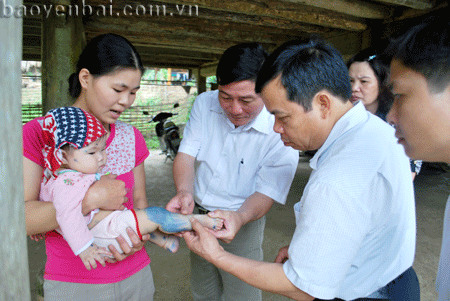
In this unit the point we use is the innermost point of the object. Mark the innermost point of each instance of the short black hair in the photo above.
(307, 66)
(372, 56)
(425, 48)
(240, 62)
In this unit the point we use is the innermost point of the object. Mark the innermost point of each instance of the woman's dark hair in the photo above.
(385, 97)
(307, 67)
(240, 62)
(105, 54)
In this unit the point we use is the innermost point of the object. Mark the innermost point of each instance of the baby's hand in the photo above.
(37, 237)
(92, 254)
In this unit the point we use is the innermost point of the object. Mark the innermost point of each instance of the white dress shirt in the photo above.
(443, 276)
(356, 227)
(233, 163)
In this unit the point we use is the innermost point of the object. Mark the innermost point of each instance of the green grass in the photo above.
(152, 142)
(140, 101)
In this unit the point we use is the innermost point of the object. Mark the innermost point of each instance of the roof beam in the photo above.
(220, 19)
(416, 4)
(209, 69)
(174, 41)
(269, 9)
(413, 13)
(353, 8)
(204, 35)
(202, 28)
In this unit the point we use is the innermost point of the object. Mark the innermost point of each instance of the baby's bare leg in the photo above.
(99, 216)
(152, 218)
(168, 242)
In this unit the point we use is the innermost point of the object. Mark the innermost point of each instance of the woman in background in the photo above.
(369, 79)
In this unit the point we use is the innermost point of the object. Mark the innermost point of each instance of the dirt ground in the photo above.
(171, 271)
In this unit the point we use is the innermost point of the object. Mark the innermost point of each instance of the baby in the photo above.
(75, 154)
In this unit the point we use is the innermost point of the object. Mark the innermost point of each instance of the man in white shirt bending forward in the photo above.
(231, 164)
(355, 233)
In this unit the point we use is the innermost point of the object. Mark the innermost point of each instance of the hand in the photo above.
(232, 222)
(282, 255)
(182, 203)
(127, 250)
(92, 254)
(106, 193)
(38, 237)
(202, 242)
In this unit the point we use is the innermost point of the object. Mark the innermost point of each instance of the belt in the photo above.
(201, 210)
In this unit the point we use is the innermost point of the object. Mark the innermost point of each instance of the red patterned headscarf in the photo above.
(67, 125)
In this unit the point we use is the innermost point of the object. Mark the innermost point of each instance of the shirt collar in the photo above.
(261, 123)
(352, 118)
(59, 172)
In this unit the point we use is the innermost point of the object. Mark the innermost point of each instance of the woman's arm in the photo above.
(40, 217)
(139, 195)
(139, 202)
(106, 193)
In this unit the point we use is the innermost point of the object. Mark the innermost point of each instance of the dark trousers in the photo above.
(403, 288)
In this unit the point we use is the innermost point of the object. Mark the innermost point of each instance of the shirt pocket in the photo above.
(242, 181)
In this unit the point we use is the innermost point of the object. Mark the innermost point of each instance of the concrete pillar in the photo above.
(201, 82)
(14, 275)
(169, 76)
(63, 40)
